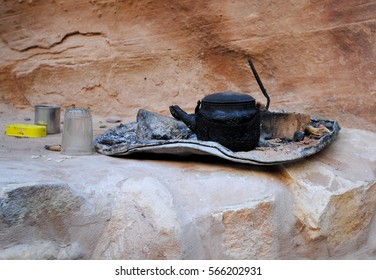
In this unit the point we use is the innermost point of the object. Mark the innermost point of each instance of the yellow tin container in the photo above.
(26, 130)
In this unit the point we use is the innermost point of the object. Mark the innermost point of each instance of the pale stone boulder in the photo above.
(46, 220)
(157, 207)
(144, 223)
(335, 194)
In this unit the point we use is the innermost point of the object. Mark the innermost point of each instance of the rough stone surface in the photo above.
(42, 220)
(335, 195)
(314, 57)
(150, 219)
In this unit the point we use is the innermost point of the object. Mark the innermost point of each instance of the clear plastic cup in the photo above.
(77, 132)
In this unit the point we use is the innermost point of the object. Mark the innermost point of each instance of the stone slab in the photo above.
(101, 207)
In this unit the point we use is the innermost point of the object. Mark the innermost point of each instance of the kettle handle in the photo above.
(259, 83)
(198, 106)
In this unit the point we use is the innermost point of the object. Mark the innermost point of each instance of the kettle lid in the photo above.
(228, 97)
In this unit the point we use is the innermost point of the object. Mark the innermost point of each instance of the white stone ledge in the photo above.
(99, 207)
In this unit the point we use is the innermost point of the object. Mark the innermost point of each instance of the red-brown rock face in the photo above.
(316, 57)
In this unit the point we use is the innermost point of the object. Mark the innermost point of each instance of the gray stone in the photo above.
(37, 203)
(45, 220)
(152, 126)
(113, 119)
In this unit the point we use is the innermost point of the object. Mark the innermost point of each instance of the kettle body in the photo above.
(228, 118)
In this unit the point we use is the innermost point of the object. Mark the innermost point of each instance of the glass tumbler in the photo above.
(77, 132)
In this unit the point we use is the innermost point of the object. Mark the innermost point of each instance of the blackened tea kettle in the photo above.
(229, 118)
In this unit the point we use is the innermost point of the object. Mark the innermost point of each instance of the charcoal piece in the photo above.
(152, 126)
(298, 136)
(121, 134)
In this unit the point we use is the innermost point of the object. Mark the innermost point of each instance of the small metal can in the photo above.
(49, 116)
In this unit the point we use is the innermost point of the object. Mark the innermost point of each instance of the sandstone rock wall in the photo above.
(315, 57)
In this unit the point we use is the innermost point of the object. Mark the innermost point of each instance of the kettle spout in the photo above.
(179, 114)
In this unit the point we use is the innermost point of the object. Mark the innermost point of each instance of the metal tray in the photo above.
(157, 134)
